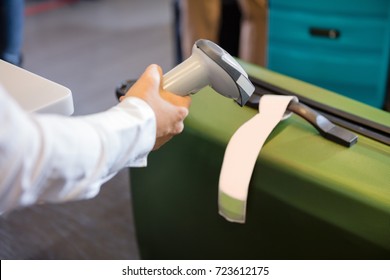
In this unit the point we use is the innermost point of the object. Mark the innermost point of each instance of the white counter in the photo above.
(35, 93)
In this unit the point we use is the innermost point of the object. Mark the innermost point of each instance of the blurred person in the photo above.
(202, 19)
(11, 30)
(52, 158)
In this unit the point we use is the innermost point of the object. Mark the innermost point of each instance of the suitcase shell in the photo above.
(309, 198)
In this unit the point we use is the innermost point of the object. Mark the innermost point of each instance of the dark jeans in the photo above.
(11, 30)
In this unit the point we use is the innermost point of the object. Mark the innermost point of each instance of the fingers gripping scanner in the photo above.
(208, 65)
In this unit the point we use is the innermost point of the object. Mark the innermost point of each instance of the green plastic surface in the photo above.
(308, 197)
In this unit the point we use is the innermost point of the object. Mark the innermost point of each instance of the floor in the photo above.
(89, 46)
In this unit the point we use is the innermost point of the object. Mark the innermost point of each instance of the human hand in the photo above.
(170, 109)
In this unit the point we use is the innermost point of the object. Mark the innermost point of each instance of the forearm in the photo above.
(54, 158)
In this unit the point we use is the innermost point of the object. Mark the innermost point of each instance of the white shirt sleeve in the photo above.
(52, 158)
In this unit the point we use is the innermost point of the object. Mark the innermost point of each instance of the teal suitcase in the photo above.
(309, 198)
(340, 45)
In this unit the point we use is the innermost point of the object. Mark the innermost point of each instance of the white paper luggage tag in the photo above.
(241, 154)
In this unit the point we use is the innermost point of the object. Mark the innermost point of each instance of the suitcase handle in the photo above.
(329, 33)
(325, 127)
(377, 131)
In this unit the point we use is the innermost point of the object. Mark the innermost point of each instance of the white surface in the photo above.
(35, 93)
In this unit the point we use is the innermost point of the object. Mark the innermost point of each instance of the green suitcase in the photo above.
(309, 198)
